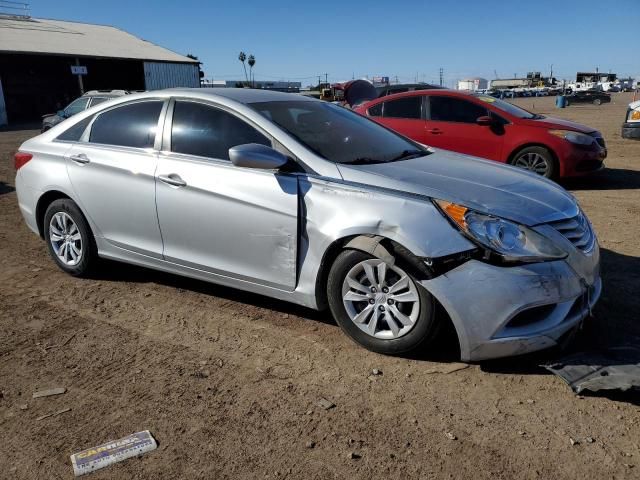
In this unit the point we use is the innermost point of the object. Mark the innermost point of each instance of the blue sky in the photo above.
(300, 40)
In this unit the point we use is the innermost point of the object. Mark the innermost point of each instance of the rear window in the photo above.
(97, 100)
(132, 125)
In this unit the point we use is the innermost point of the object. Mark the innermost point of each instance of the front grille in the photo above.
(578, 231)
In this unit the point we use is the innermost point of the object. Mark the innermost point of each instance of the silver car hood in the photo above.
(482, 185)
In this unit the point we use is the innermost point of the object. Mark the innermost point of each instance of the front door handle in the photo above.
(172, 179)
(435, 131)
(80, 158)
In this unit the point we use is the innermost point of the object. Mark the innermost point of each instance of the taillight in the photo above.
(21, 158)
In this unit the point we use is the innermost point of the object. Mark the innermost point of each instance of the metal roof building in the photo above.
(39, 60)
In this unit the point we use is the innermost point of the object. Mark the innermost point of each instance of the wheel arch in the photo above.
(386, 249)
(47, 199)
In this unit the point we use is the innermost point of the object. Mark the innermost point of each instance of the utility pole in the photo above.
(441, 76)
(80, 83)
(326, 79)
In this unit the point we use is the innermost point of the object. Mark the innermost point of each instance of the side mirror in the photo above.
(61, 114)
(485, 121)
(254, 155)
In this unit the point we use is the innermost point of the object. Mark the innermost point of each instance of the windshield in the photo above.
(78, 105)
(337, 134)
(510, 108)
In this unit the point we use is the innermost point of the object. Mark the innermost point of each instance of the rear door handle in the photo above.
(80, 158)
(172, 179)
(435, 131)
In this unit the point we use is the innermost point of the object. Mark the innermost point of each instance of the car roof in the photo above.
(240, 95)
(413, 93)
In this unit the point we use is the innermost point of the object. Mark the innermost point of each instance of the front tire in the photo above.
(597, 101)
(69, 238)
(537, 160)
(381, 307)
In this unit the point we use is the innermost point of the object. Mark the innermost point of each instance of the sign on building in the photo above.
(78, 69)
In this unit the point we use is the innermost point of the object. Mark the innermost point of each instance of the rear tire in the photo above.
(536, 160)
(69, 238)
(597, 101)
(381, 307)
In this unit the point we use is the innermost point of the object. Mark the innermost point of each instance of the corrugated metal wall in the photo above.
(159, 75)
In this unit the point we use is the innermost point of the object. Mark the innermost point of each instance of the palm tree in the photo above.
(252, 62)
(242, 57)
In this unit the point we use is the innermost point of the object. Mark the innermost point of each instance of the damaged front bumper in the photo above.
(502, 311)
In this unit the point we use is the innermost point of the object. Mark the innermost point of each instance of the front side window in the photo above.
(132, 125)
(338, 134)
(76, 106)
(408, 107)
(206, 131)
(449, 109)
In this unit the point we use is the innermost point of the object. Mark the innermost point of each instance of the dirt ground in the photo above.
(229, 382)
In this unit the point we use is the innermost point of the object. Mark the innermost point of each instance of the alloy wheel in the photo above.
(65, 239)
(533, 162)
(380, 299)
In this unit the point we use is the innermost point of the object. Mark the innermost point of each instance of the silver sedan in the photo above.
(308, 202)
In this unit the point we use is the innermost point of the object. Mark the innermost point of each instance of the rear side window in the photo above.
(207, 131)
(449, 109)
(74, 133)
(375, 111)
(132, 125)
(408, 107)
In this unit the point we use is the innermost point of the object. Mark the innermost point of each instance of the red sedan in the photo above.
(487, 127)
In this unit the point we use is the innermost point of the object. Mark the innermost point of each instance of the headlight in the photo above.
(573, 137)
(511, 241)
(634, 116)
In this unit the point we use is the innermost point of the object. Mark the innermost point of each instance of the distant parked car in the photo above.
(631, 126)
(488, 127)
(88, 100)
(595, 97)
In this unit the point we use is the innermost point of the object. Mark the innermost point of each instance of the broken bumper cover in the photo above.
(504, 311)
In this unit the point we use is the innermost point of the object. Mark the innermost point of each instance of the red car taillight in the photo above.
(21, 158)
